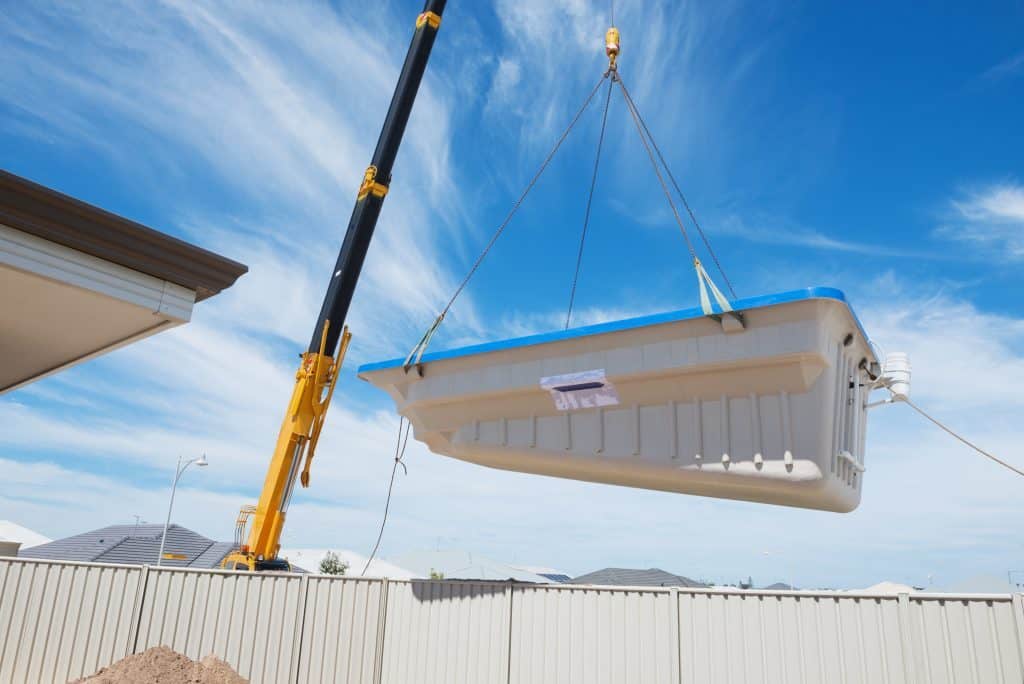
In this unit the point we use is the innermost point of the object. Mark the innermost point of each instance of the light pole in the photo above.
(201, 462)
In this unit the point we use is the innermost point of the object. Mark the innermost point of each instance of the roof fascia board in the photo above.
(53, 216)
(41, 257)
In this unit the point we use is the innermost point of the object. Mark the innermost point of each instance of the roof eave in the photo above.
(62, 219)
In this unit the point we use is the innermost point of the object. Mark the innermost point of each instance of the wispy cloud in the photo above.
(775, 231)
(1009, 67)
(990, 218)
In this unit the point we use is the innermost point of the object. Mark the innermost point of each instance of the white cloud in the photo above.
(991, 218)
(503, 94)
(774, 231)
(1002, 203)
(1011, 66)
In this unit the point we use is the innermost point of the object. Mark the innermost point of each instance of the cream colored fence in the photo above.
(59, 621)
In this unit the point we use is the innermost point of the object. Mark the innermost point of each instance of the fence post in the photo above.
(906, 636)
(300, 627)
(674, 632)
(1017, 601)
(136, 624)
(382, 613)
(508, 648)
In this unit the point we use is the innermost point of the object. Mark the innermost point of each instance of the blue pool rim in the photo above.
(739, 305)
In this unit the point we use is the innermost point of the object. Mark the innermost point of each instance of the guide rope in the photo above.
(399, 455)
(950, 431)
(590, 200)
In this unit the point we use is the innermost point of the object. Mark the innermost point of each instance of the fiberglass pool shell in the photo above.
(773, 412)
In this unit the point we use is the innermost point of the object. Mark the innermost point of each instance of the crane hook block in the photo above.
(611, 45)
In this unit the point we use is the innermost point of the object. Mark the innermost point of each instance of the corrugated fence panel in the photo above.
(61, 621)
(967, 640)
(249, 620)
(445, 631)
(584, 634)
(741, 637)
(340, 629)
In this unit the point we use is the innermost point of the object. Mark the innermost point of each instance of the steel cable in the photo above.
(693, 217)
(518, 202)
(590, 200)
(668, 195)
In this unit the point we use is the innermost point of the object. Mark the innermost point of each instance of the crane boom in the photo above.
(321, 363)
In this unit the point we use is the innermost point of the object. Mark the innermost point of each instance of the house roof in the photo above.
(311, 557)
(465, 565)
(135, 545)
(13, 532)
(629, 577)
(54, 216)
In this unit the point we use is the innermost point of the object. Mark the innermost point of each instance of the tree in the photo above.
(332, 565)
(436, 575)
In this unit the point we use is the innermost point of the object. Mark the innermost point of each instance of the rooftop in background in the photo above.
(134, 545)
(628, 577)
(1012, 582)
(889, 588)
(12, 532)
(379, 568)
(550, 574)
(464, 565)
(77, 281)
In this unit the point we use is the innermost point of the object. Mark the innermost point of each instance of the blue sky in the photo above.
(868, 147)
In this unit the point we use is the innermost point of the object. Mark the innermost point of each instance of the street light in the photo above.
(201, 462)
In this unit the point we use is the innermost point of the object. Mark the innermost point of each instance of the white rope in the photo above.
(962, 439)
(399, 454)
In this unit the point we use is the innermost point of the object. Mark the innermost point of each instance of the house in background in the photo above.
(378, 568)
(135, 545)
(550, 574)
(628, 577)
(14, 537)
(464, 565)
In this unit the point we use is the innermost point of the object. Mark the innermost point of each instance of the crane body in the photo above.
(257, 546)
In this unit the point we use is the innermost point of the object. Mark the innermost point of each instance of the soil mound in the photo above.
(161, 665)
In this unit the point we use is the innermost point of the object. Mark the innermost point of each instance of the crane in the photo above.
(321, 363)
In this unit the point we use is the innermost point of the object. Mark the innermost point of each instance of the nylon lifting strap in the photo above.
(706, 283)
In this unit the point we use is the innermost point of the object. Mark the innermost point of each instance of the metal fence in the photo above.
(60, 621)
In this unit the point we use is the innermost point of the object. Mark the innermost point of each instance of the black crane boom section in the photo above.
(371, 195)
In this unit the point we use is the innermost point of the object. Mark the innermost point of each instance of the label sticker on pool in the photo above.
(587, 389)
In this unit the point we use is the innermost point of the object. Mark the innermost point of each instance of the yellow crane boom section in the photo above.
(300, 432)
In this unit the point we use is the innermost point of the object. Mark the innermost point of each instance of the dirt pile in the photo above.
(164, 666)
